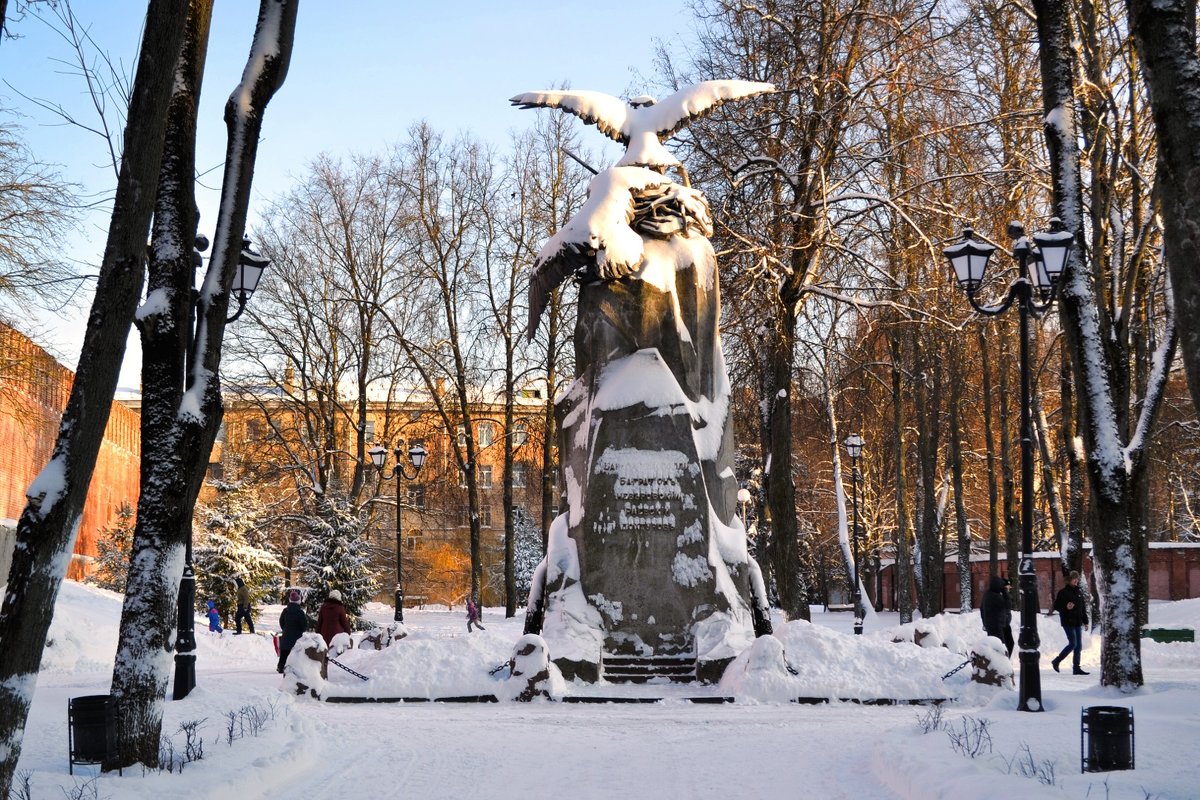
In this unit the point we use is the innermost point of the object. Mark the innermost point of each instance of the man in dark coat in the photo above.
(996, 613)
(292, 625)
(332, 619)
(1072, 613)
(243, 607)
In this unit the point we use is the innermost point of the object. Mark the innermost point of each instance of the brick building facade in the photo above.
(261, 439)
(33, 393)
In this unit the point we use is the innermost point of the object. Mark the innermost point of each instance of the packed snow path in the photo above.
(668, 750)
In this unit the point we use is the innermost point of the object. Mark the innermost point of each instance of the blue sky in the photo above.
(362, 72)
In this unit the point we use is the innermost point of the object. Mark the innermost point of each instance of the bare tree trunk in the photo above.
(163, 528)
(960, 506)
(1012, 523)
(781, 491)
(1113, 459)
(1165, 33)
(931, 575)
(903, 572)
(48, 526)
(1072, 553)
(990, 444)
(182, 412)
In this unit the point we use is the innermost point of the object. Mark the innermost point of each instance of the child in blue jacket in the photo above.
(214, 617)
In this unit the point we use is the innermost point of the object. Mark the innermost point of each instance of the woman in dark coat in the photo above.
(332, 619)
(996, 613)
(293, 624)
(1072, 613)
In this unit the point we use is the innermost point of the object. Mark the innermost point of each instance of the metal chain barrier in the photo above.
(352, 672)
(956, 669)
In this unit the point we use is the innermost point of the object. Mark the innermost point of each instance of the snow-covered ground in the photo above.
(755, 748)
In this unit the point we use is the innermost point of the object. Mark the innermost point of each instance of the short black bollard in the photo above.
(1106, 739)
(92, 730)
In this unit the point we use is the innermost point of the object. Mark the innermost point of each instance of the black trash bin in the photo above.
(92, 734)
(1106, 739)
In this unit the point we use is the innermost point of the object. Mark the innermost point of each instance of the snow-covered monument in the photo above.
(647, 570)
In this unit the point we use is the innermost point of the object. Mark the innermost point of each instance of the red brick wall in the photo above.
(34, 393)
(1174, 575)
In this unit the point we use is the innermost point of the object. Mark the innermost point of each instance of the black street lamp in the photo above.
(416, 454)
(854, 445)
(250, 268)
(1041, 265)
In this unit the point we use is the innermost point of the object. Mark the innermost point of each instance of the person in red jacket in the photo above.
(332, 619)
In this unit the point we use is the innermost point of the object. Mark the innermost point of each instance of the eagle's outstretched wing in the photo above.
(606, 112)
(691, 102)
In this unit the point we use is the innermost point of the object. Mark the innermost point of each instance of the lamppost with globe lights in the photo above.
(250, 267)
(416, 454)
(1041, 264)
(854, 445)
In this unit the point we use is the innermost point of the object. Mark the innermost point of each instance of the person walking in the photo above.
(996, 613)
(243, 607)
(473, 615)
(293, 623)
(214, 617)
(1072, 613)
(332, 618)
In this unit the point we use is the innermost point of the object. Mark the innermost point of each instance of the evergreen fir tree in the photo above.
(222, 552)
(527, 549)
(333, 553)
(112, 552)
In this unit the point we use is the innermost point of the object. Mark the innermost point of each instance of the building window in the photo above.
(416, 496)
(520, 434)
(487, 434)
(520, 476)
(369, 429)
(216, 471)
(221, 433)
(254, 430)
(464, 515)
(485, 516)
(485, 476)
(462, 435)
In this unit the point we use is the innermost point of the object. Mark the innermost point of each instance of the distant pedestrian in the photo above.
(1072, 613)
(1006, 628)
(332, 618)
(293, 624)
(243, 607)
(473, 615)
(996, 613)
(214, 617)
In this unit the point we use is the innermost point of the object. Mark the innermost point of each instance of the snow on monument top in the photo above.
(642, 123)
